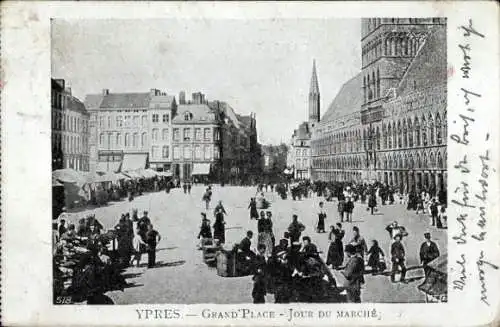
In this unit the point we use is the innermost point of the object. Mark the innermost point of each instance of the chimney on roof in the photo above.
(198, 98)
(105, 91)
(153, 92)
(182, 97)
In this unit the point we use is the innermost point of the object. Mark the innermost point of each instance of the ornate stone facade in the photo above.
(389, 122)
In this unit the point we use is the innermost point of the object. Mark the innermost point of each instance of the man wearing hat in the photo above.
(353, 272)
(428, 252)
(143, 224)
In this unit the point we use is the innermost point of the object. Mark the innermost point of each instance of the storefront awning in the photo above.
(201, 169)
(104, 167)
(134, 161)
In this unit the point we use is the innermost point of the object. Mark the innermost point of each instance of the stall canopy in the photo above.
(147, 173)
(112, 166)
(132, 174)
(165, 173)
(69, 175)
(201, 169)
(134, 161)
(435, 283)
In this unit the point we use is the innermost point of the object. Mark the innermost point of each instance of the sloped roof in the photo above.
(348, 100)
(163, 100)
(429, 65)
(93, 101)
(75, 104)
(125, 100)
(200, 112)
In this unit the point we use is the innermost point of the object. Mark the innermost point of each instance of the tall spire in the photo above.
(314, 98)
(314, 88)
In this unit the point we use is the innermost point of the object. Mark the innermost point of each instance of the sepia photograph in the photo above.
(249, 161)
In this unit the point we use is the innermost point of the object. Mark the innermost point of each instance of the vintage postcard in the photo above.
(247, 164)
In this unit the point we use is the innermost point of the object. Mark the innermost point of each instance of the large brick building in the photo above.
(70, 129)
(388, 123)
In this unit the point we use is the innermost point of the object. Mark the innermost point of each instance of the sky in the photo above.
(261, 66)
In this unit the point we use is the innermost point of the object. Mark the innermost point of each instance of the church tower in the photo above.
(314, 98)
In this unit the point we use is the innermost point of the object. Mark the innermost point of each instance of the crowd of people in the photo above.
(276, 268)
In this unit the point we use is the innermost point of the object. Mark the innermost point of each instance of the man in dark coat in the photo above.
(353, 272)
(143, 224)
(152, 239)
(428, 252)
(245, 255)
(295, 229)
(398, 258)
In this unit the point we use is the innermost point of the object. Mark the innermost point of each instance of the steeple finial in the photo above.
(314, 88)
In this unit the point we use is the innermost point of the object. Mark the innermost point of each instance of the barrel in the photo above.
(226, 263)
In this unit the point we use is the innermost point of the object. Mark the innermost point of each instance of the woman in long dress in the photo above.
(321, 219)
(219, 228)
(336, 249)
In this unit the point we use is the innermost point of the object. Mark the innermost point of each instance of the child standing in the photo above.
(375, 256)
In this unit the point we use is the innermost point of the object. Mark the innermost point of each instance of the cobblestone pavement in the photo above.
(182, 277)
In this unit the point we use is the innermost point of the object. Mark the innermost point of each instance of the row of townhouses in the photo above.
(111, 132)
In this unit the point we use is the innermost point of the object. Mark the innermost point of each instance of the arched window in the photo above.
(400, 161)
(188, 116)
(405, 134)
(417, 132)
(439, 136)
(378, 138)
(432, 163)
(411, 163)
(389, 136)
(364, 88)
(431, 130)
(425, 163)
(424, 132)
(378, 83)
(399, 134)
(369, 84)
(144, 139)
(440, 162)
(374, 82)
(419, 163)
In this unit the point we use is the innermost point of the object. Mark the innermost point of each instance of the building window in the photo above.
(206, 134)
(127, 121)
(187, 134)
(127, 140)
(188, 116)
(297, 164)
(164, 134)
(155, 134)
(136, 121)
(154, 152)
(207, 152)
(118, 139)
(144, 138)
(177, 152)
(187, 152)
(216, 153)
(135, 140)
(197, 134)
(165, 118)
(155, 118)
(144, 121)
(216, 134)
(101, 122)
(165, 151)
(304, 152)
(109, 121)
(197, 152)
(101, 139)
(176, 134)
(297, 152)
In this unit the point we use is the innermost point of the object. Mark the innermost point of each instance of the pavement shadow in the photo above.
(162, 264)
(131, 285)
(131, 275)
(168, 248)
